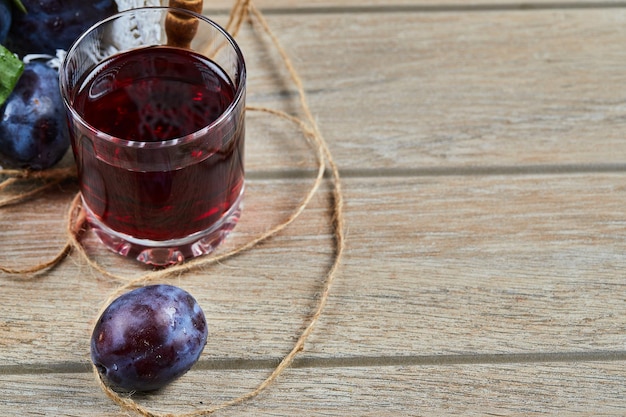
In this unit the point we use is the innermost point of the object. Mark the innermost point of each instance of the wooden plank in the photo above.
(433, 91)
(461, 96)
(592, 388)
(434, 265)
(480, 264)
(296, 6)
(54, 325)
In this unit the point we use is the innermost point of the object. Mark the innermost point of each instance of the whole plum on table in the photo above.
(33, 128)
(148, 337)
(54, 24)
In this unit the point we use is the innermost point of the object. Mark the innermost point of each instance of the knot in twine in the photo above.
(242, 10)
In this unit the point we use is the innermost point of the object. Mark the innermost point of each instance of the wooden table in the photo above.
(482, 153)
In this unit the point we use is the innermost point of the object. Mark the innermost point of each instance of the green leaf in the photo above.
(10, 70)
(20, 5)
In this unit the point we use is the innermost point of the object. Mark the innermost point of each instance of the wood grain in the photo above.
(508, 389)
(433, 91)
(442, 265)
(481, 152)
(297, 6)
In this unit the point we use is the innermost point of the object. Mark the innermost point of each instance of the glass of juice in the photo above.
(155, 99)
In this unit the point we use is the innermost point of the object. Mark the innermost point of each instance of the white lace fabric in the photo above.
(133, 4)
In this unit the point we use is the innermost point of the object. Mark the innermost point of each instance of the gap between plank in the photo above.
(350, 362)
(495, 170)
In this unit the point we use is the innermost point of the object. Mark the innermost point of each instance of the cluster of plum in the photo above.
(33, 131)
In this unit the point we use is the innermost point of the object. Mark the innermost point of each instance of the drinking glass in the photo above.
(155, 99)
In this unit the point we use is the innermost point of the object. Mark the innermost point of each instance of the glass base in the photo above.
(168, 252)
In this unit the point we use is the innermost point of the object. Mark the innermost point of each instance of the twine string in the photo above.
(201, 262)
(76, 223)
(49, 179)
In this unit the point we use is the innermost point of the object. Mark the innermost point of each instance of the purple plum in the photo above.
(148, 337)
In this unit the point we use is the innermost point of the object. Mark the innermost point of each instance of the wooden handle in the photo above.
(180, 28)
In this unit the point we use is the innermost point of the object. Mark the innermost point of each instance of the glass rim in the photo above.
(180, 140)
